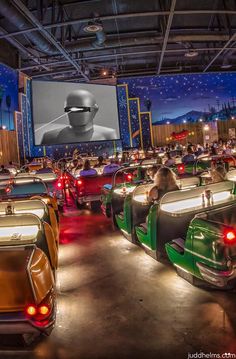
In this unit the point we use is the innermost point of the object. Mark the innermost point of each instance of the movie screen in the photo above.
(72, 113)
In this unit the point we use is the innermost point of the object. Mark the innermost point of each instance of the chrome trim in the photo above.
(203, 257)
(29, 274)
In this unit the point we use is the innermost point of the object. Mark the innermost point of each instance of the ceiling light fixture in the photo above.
(191, 53)
(93, 27)
(226, 65)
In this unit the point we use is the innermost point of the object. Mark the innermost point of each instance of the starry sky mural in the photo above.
(8, 96)
(188, 97)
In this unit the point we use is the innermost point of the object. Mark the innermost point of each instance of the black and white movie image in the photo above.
(70, 112)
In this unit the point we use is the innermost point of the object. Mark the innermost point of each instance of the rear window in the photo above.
(28, 188)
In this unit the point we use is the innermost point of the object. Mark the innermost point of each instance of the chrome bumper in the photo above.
(17, 323)
(216, 277)
(89, 198)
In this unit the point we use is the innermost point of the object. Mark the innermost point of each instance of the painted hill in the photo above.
(191, 116)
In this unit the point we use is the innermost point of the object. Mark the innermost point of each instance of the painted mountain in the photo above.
(227, 111)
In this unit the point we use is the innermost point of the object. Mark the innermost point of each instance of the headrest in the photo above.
(142, 189)
(19, 229)
(180, 195)
(231, 175)
(36, 207)
(46, 177)
(188, 182)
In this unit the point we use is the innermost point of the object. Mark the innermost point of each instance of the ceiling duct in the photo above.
(19, 21)
(95, 27)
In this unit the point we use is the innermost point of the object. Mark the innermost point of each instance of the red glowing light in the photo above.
(31, 310)
(230, 237)
(43, 310)
(181, 168)
(8, 189)
(59, 185)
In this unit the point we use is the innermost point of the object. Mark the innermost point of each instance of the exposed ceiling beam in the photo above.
(225, 47)
(165, 41)
(121, 16)
(49, 37)
(123, 54)
(23, 50)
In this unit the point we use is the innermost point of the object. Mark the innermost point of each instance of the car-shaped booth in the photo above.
(170, 217)
(136, 207)
(123, 183)
(208, 252)
(192, 168)
(87, 190)
(56, 184)
(20, 228)
(28, 187)
(33, 206)
(27, 301)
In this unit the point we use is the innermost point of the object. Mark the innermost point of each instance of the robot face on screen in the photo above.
(81, 107)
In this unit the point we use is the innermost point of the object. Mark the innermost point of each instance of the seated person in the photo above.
(110, 168)
(73, 165)
(218, 174)
(170, 161)
(76, 171)
(11, 168)
(4, 171)
(189, 157)
(164, 181)
(45, 169)
(100, 162)
(151, 172)
(88, 170)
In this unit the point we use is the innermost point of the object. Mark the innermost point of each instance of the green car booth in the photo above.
(169, 218)
(136, 209)
(124, 181)
(209, 251)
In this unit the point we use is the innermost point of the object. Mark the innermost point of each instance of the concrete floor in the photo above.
(114, 301)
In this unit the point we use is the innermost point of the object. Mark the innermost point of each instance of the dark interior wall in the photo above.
(8, 54)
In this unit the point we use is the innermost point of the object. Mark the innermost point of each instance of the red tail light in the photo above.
(43, 310)
(38, 313)
(129, 177)
(181, 169)
(79, 182)
(31, 310)
(230, 237)
(59, 185)
(8, 189)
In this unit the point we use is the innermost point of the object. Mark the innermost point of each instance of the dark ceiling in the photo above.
(130, 37)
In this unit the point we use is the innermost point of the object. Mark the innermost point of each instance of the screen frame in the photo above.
(72, 143)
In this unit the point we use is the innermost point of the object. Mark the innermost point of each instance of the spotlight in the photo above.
(191, 53)
(168, 122)
(200, 119)
(104, 72)
(4, 127)
(184, 121)
(206, 128)
(226, 64)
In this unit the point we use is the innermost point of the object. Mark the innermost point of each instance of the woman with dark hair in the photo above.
(87, 169)
(100, 162)
(170, 161)
(218, 174)
(164, 181)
